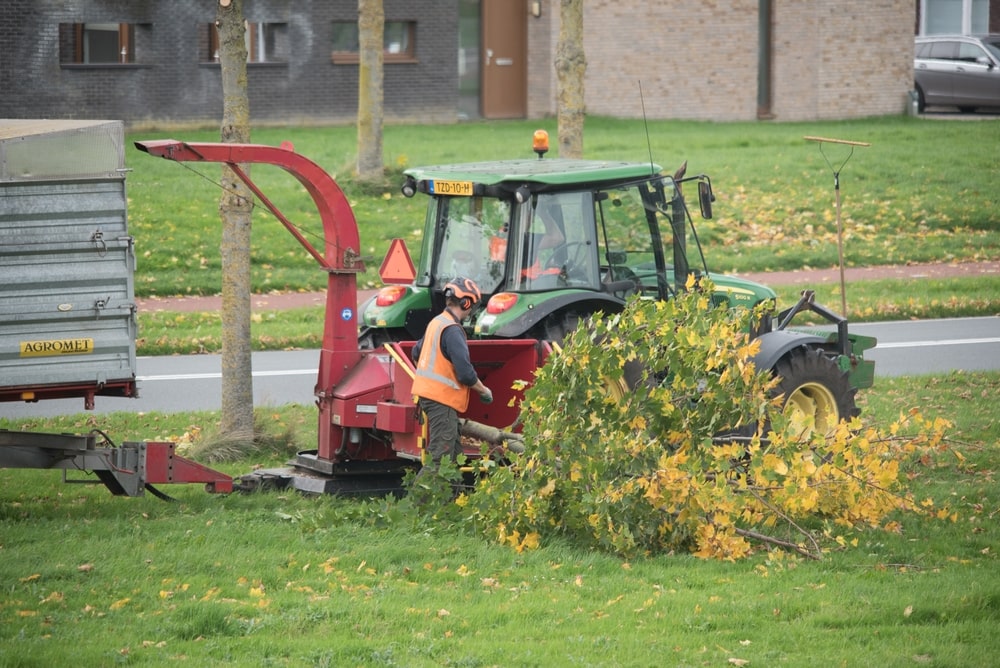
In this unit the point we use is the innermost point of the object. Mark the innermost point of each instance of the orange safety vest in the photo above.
(435, 377)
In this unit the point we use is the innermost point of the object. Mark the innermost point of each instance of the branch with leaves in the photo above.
(645, 472)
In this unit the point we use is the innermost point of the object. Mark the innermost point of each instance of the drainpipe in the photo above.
(764, 59)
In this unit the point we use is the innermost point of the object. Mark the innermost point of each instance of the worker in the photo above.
(445, 375)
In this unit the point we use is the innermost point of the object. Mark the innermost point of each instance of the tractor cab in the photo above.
(549, 242)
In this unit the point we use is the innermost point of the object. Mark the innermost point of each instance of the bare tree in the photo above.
(235, 209)
(571, 66)
(371, 26)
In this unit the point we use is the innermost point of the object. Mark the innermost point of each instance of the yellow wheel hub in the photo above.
(811, 408)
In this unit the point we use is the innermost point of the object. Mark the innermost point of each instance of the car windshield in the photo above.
(993, 45)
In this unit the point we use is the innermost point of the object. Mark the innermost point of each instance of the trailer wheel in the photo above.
(817, 392)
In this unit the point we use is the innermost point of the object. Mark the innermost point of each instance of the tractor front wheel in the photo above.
(817, 392)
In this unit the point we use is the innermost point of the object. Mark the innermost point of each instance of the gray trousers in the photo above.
(442, 423)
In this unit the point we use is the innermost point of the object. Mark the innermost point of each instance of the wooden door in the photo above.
(505, 59)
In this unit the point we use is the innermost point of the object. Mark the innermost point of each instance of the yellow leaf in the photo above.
(120, 603)
(531, 541)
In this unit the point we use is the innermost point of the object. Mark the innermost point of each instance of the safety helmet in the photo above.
(464, 290)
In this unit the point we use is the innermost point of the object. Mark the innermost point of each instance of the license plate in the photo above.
(461, 188)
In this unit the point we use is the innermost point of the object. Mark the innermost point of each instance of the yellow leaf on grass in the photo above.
(531, 541)
(120, 603)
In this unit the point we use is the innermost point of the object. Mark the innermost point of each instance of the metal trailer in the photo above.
(67, 307)
(67, 310)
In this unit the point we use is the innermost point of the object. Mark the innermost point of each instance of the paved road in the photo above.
(193, 382)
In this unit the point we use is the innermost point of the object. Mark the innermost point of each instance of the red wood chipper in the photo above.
(369, 430)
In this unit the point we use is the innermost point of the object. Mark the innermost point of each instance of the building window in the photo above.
(398, 38)
(965, 17)
(96, 43)
(265, 42)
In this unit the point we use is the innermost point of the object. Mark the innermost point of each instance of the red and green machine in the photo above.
(551, 243)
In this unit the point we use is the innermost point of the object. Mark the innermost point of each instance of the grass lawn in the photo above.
(281, 579)
(924, 191)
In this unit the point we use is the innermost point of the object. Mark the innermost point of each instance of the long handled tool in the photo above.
(836, 189)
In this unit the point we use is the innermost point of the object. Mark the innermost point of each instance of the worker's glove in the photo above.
(486, 397)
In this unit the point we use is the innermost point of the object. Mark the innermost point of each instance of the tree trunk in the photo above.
(571, 66)
(371, 26)
(235, 209)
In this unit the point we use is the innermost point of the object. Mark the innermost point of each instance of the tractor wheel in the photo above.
(817, 392)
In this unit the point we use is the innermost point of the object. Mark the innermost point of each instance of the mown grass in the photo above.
(281, 579)
(923, 192)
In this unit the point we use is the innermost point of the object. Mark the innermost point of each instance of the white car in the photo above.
(958, 71)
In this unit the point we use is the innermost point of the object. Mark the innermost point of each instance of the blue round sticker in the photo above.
(347, 314)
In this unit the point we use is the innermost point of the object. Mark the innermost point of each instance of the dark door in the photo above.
(504, 58)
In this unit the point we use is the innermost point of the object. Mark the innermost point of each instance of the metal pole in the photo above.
(836, 190)
(840, 245)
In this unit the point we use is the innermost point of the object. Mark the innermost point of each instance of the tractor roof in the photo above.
(555, 171)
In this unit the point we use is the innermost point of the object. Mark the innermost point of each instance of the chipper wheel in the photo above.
(817, 392)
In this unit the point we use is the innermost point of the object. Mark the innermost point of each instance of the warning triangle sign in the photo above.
(397, 267)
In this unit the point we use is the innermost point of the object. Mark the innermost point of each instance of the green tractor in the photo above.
(551, 242)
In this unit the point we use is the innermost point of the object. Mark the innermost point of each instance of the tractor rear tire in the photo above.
(817, 392)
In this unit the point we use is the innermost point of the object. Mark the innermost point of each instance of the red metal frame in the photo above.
(340, 256)
(163, 466)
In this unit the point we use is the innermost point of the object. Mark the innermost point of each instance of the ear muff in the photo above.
(464, 290)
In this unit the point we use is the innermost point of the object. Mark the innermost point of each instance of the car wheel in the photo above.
(921, 102)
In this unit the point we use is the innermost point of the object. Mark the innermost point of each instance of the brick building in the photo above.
(151, 62)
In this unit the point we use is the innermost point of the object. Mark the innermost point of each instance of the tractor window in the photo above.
(629, 252)
(468, 229)
(555, 243)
